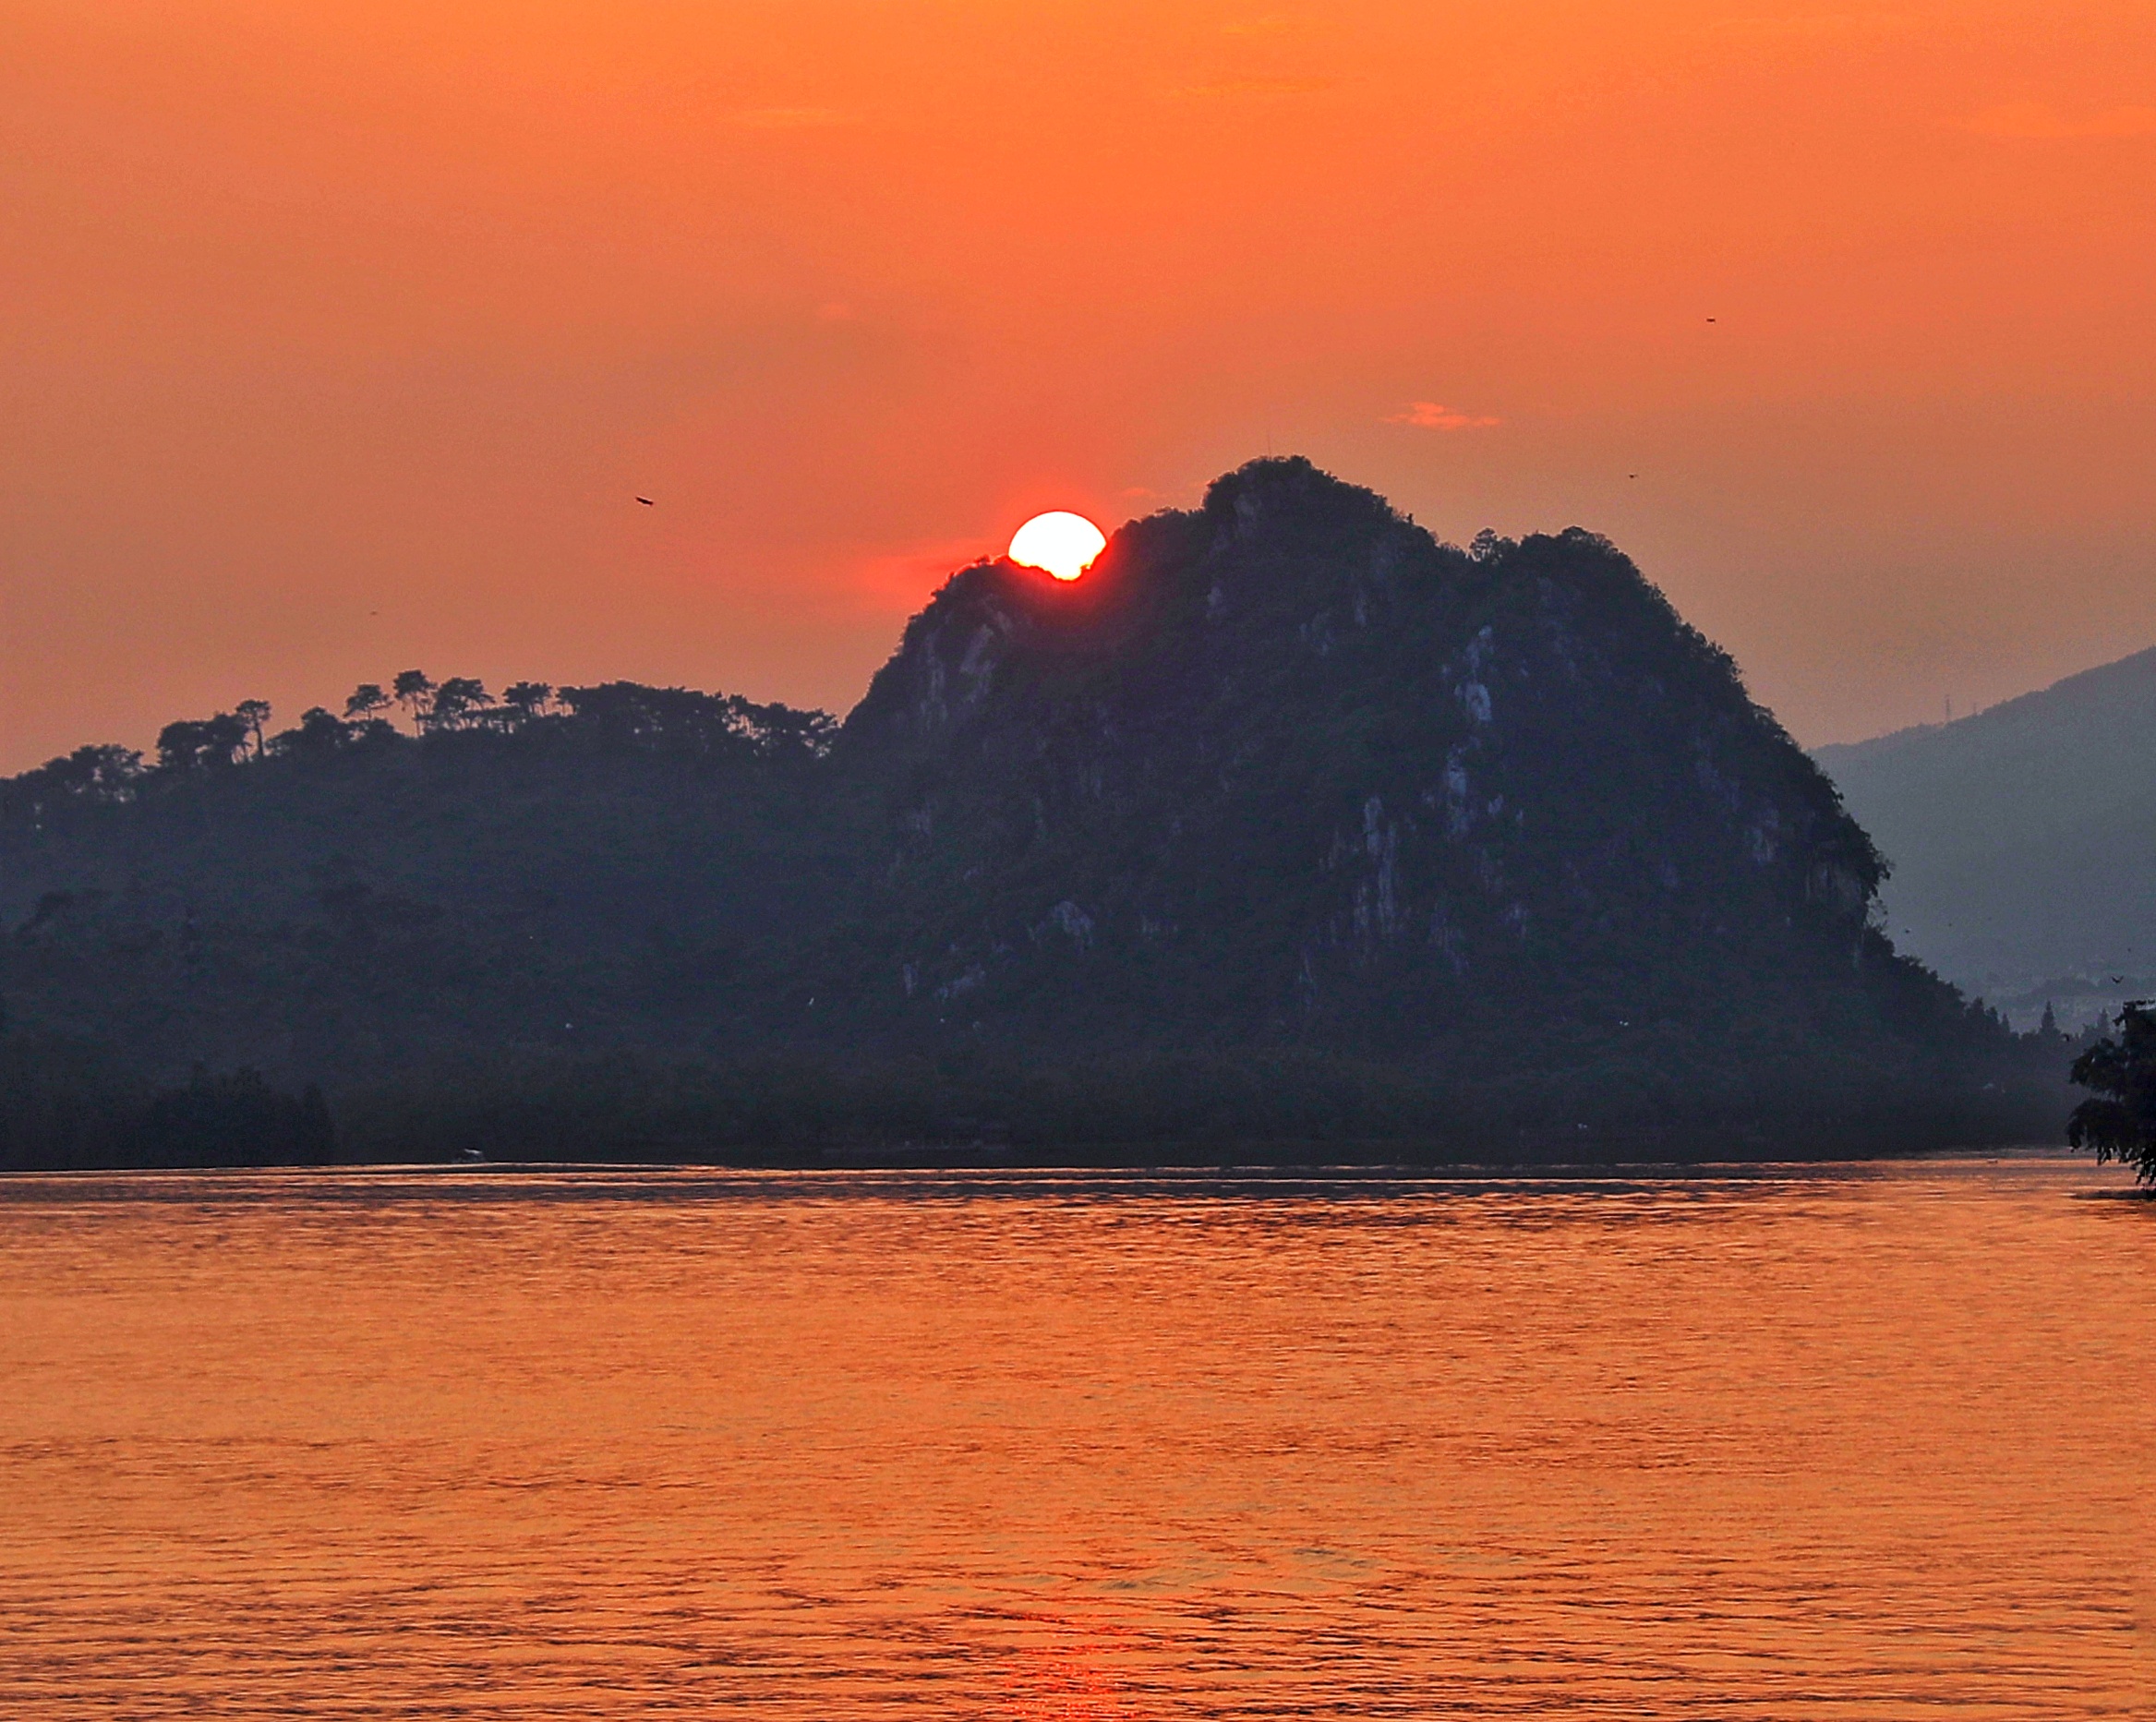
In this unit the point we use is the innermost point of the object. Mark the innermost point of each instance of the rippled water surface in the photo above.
(1866, 1442)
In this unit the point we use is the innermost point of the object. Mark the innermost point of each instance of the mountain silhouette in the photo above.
(2021, 839)
(1287, 823)
(1286, 766)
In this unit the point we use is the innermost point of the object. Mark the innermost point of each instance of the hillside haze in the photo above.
(2021, 841)
(1286, 821)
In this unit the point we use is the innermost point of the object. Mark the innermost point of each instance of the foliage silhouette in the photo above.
(2119, 1120)
(414, 691)
(71, 1104)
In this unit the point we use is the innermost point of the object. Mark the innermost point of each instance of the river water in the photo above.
(1857, 1442)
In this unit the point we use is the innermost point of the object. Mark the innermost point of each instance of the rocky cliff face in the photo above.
(1286, 766)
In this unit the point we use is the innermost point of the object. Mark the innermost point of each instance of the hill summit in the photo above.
(1286, 823)
(1287, 767)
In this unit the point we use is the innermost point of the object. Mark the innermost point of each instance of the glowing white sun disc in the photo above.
(1061, 543)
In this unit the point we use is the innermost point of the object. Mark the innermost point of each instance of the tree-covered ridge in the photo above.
(601, 867)
(1286, 821)
(614, 714)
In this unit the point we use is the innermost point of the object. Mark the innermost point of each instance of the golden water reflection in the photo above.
(1869, 1442)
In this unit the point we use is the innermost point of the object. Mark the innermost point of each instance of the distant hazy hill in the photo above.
(2023, 840)
(1286, 821)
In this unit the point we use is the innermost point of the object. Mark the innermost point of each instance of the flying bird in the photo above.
(646, 501)
(2117, 980)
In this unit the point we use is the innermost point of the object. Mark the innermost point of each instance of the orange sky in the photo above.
(337, 339)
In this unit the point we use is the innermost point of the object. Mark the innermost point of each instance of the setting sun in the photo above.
(1061, 543)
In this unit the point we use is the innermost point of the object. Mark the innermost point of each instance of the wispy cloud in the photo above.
(793, 119)
(2040, 119)
(1431, 416)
